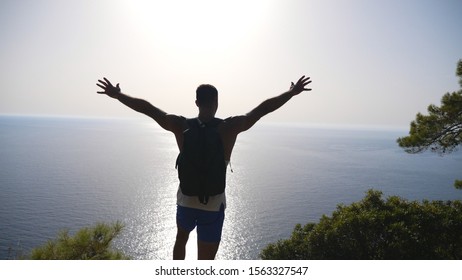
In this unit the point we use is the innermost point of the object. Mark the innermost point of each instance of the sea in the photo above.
(68, 173)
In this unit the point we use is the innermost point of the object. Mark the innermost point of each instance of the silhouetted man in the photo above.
(204, 211)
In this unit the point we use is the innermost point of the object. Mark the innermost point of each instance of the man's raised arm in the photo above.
(169, 122)
(245, 122)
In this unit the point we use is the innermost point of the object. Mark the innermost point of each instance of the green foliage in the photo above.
(374, 228)
(458, 184)
(441, 129)
(459, 71)
(87, 244)
(294, 248)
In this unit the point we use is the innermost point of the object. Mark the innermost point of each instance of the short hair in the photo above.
(205, 94)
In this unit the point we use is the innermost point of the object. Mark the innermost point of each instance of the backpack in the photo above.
(201, 164)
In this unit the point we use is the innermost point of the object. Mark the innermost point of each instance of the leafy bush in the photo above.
(87, 244)
(374, 228)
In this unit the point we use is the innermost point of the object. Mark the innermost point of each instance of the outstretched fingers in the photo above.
(305, 82)
(108, 88)
(108, 83)
(102, 85)
(302, 83)
(105, 85)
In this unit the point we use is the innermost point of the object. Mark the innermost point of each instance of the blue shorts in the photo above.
(209, 223)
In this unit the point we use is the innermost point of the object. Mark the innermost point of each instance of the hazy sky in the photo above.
(371, 62)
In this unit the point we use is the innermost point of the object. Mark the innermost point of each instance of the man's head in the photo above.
(207, 98)
(206, 94)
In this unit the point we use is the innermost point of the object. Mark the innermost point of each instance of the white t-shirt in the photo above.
(214, 203)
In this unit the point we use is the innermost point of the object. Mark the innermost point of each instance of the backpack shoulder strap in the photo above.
(193, 122)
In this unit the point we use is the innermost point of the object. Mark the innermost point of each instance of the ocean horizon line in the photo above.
(294, 124)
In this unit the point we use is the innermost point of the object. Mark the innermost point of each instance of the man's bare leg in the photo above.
(179, 250)
(207, 250)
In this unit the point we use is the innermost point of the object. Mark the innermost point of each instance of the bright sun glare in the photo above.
(198, 25)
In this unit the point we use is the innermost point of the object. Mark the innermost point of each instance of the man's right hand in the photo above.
(109, 89)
